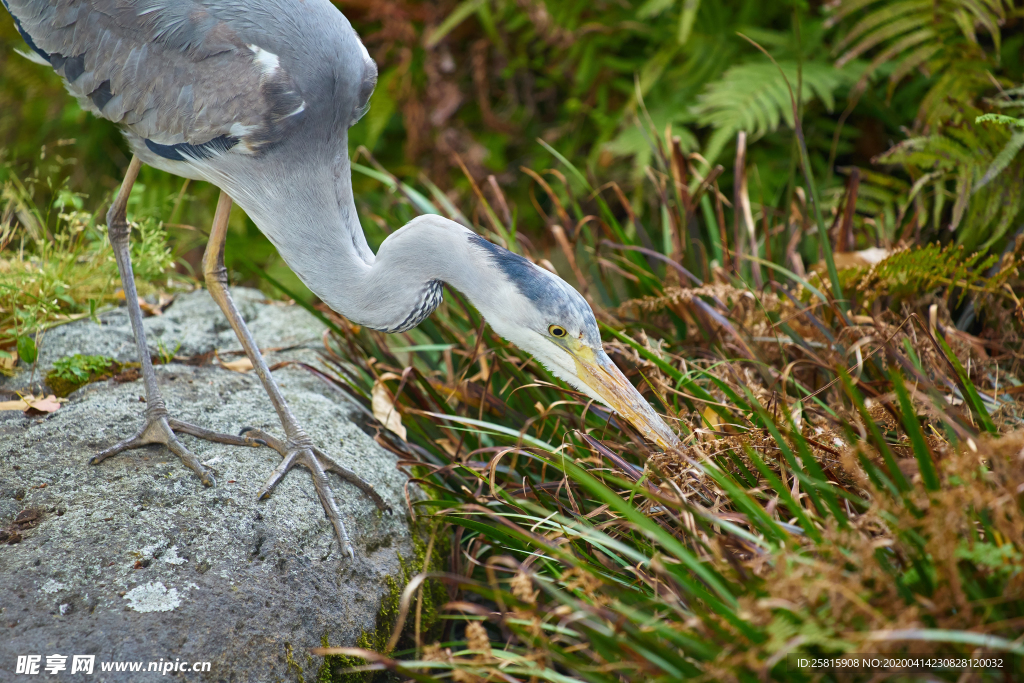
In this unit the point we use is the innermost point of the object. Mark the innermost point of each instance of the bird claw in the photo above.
(267, 440)
(158, 428)
(318, 463)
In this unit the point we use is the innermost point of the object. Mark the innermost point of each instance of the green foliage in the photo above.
(72, 372)
(756, 98)
(908, 274)
(56, 263)
(622, 563)
(151, 254)
(165, 354)
(705, 562)
(79, 368)
(941, 37)
(1001, 119)
(969, 179)
(27, 350)
(479, 82)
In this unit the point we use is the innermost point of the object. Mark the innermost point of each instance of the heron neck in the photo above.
(394, 289)
(402, 285)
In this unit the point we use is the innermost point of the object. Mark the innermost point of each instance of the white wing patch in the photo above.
(33, 57)
(267, 61)
(240, 130)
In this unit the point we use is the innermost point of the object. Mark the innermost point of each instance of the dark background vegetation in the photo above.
(467, 89)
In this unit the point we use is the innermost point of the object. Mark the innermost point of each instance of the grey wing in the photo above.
(173, 73)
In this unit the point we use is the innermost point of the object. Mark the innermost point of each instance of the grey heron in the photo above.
(256, 97)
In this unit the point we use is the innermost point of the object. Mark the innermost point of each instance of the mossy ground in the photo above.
(434, 595)
(73, 372)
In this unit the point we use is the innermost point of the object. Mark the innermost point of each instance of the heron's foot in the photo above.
(318, 463)
(159, 428)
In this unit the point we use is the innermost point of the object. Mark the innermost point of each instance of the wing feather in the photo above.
(171, 72)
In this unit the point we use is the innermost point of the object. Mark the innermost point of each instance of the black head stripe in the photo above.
(551, 295)
(535, 284)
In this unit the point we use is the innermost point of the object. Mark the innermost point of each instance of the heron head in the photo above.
(546, 317)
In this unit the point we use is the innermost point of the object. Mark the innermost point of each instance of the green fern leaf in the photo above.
(1001, 119)
(941, 35)
(755, 98)
(976, 166)
(1002, 160)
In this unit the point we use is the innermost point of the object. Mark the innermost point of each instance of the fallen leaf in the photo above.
(38, 405)
(384, 409)
(240, 365)
(163, 301)
(448, 446)
(711, 418)
(13, 405)
(864, 258)
(44, 405)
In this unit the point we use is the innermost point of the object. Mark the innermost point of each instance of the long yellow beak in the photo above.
(598, 372)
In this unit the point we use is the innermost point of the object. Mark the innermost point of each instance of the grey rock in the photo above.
(191, 326)
(134, 560)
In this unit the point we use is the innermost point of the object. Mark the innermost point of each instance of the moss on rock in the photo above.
(434, 594)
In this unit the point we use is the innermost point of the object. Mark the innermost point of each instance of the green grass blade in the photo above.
(422, 204)
(913, 429)
(890, 459)
(970, 393)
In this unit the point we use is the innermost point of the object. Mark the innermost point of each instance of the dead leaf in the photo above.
(484, 372)
(163, 301)
(448, 446)
(37, 406)
(865, 258)
(45, 405)
(384, 407)
(7, 364)
(13, 405)
(241, 365)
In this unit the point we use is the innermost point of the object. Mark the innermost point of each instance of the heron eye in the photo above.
(557, 331)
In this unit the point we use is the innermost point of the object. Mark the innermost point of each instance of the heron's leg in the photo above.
(158, 426)
(297, 448)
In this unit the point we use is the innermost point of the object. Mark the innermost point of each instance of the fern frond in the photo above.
(1003, 159)
(978, 166)
(939, 35)
(875, 19)
(1001, 119)
(754, 97)
(910, 273)
(953, 22)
